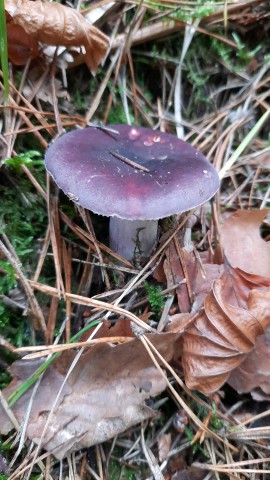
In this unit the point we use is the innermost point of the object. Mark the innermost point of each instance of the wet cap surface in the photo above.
(88, 165)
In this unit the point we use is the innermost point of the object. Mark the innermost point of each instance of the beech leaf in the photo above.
(253, 375)
(223, 333)
(55, 24)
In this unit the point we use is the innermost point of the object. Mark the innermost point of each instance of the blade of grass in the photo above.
(3, 48)
(12, 399)
(236, 154)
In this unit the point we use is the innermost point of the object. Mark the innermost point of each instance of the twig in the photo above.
(90, 302)
(9, 412)
(151, 460)
(44, 350)
(130, 162)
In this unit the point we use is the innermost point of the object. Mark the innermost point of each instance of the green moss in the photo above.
(23, 219)
(155, 298)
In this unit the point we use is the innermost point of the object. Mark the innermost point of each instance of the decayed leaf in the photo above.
(243, 246)
(253, 375)
(164, 445)
(175, 275)
(44, 92)
(104, 395)
(55, 24)
(223, 332)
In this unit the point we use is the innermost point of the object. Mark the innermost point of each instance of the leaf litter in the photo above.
(229, 291)
(230, 307)
(215, 342)
(104, 395)
(223, 333)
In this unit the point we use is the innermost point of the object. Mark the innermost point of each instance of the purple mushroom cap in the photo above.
(88, 165)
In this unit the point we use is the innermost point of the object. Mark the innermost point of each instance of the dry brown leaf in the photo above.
(179, 322)
(243, 246)
(121, 328)
(44, 92)
(225, 331)
(175, 275)
(104, 395)
(200, 279)
(164, 445)
(20, 45)
(253, 375)
(55, 24)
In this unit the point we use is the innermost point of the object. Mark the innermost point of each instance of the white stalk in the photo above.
(129, 237)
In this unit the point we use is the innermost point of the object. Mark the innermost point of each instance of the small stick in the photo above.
(103, 127)
(130, 162)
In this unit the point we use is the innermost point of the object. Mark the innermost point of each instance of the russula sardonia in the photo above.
(132, 174)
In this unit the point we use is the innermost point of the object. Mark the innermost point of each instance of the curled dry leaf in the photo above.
(250, 252)
(243, 245)
(105, 394)
(201, 278)
(253, 375)
(54, 24)
(20, 45)
(236, 312)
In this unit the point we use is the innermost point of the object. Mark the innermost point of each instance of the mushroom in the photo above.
(133, 174)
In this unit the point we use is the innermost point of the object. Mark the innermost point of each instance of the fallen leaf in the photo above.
(243, 245)
(121, 328)
(175, 275)
(178, 322)
(20, 45)
(55, 24)
(253, 375)
(201, 282)
(200, 278)
(104, 395)
(44, 92)
(164, 446)
(223, 333)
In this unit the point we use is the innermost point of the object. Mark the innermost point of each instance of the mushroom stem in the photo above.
(128, 237)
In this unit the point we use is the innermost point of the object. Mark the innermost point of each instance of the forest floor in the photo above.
(189, 401)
